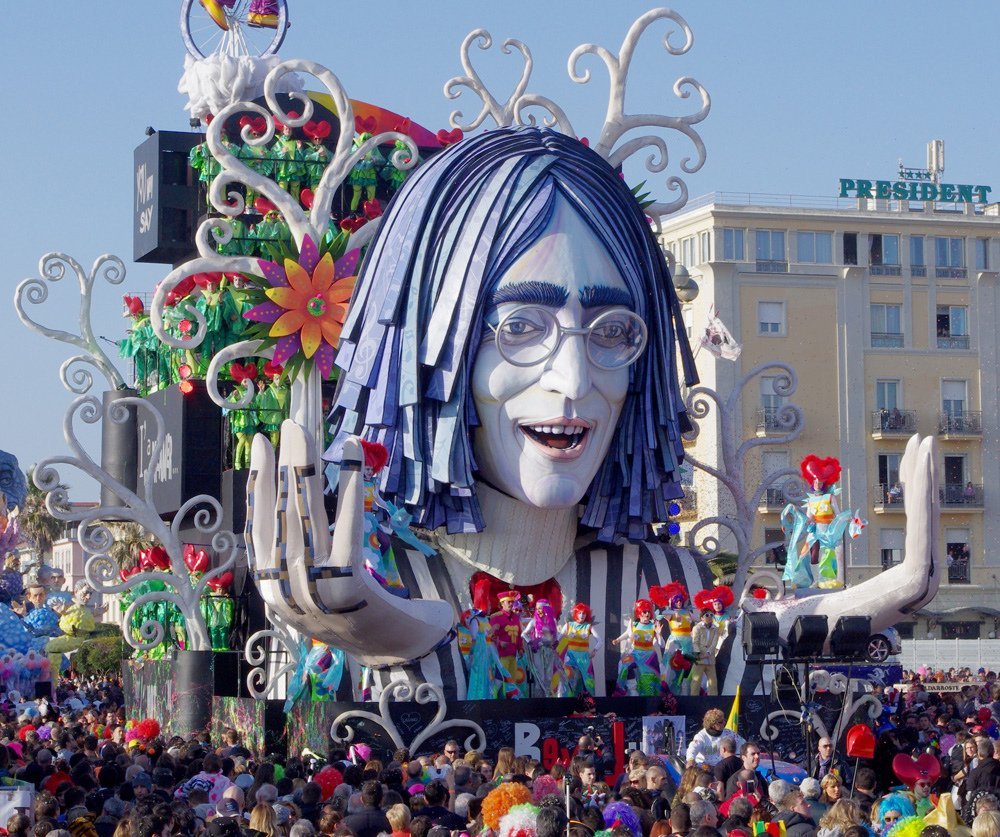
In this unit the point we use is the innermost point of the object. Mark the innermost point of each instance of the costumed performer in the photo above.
(541, 637)
(77, 624)
(579, 643)
(673, 601)
(486, 673)
(639, 667)
(364, 175)
(705, 642)
(377, 543)
(813, 533)
(719, 599)
(506, 627)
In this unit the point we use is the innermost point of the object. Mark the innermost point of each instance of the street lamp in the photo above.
(687, 289)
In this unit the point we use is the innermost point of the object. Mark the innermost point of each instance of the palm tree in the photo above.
(39, 527)
(130, 540)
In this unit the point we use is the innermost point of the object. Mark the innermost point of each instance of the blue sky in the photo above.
(802, 94)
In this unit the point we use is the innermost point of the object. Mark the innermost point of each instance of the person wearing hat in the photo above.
(505, 625)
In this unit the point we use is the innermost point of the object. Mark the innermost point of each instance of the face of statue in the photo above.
(82, 596)
(546, 428)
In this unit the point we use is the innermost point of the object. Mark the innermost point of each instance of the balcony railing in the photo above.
(918, 270)
(894, 421)
(886, 340)
(767, 420)
(953, 341)
(773, 499)
(950, 272)
(885, 270)
(958, 423)
(888, 495)
(958, 572)
(771, 266)
(962, 496)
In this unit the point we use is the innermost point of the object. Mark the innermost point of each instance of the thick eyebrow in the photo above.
(530, 293)
(598, 296)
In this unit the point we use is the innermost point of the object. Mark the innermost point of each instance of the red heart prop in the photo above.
(860, 742)
(221, 582)
(485, 590)
(404, 126)
(196, 562)
(827, 471)
(241, 373)
(926, 768)
(352, 224)
(306, 197)
(158, 558)
(263, 205)
(125, 575)
(449, 137)
(134, 305)
(372, 208)
(365, 125)
(273, 370)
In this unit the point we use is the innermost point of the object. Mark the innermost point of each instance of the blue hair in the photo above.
(415, 324)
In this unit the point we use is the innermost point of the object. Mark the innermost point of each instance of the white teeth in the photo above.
(557, 429)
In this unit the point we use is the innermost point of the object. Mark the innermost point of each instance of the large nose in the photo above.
(567, 371)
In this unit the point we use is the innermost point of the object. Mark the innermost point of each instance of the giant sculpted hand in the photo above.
(317, 582)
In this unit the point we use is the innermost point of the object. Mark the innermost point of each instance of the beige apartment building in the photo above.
(887, 311)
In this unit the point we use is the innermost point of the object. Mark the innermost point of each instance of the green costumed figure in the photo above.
(289, 166)
(242, 423)
(271, 401)
(364, 175)
(317, 158)
(396, 177)
(241, 244)
(256, 157)
(271, 229)
(77, 624)
(218, 610)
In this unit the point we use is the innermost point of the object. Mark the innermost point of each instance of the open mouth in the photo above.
(564, 438)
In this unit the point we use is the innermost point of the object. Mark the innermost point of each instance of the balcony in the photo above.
(953, 341)
(891, 423)
(772, 501)
(960, 424)
(887, 498)
(958, 572)
(918, 270)
(768, 423)
(950, 272)
(960, 497)
(885, 270)
(886, 340)
(771, 266)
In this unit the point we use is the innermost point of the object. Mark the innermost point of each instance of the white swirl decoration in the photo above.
(35, 291)
(612, 143)
(260, 685)
(96, 537)
(403, 691)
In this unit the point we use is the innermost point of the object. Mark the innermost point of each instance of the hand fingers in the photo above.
(260, 505)
(349, 528)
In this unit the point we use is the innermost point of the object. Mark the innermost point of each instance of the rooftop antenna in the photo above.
(935, 159)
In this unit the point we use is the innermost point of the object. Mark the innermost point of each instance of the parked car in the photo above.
(883, 645)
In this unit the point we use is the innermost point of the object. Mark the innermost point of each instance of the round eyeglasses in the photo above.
(531, 334)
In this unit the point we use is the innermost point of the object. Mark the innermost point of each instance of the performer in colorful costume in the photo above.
(290, 166)
(486, 673)
(364, 175)
(578, 645)
(640, 653)
(506, 627)
(673, 599)
(317, 156)
(541, 634)
(77, 623)
(718, 600)
(814, 532)
(379, 560)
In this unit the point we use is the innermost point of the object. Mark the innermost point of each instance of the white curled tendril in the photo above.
(34, 291)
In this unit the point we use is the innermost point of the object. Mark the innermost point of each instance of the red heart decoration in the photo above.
(585, 141)
(241, 373)
(404, 126)
(449, 137)
(221, 582)
(134, 305)
(196, 562)
(485, 589)
(125, 575)
(860, 742)
(322, 129)
(273, 370)
(158, 558)
(365, 125)
(306, 197)
(372, 208)
(263, 205)
(353, 223)
(827, 471)
(909, 771)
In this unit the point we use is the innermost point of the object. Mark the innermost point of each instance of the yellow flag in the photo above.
(733, 721)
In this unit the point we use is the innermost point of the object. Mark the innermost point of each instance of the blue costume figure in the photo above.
(639, 668)
(813, 532)
(486, 673)
(578, 644)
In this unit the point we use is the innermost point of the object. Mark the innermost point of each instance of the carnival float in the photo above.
(453, 374)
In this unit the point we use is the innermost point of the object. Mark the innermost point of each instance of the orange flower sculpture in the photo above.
(306, 306)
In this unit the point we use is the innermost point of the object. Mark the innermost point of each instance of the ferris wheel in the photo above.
(233, 27)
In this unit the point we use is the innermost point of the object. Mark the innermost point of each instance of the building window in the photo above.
(732, 245)
(905, 629)
(814, 247)
(960, 630)
(917, 250)
(771, 318)
(772, 462)
(770, 250)
(883, 249)
(704, 247)
(953, 397)
(887, 394)
(850, 248)
(888, 476)
(952, 327)
(687, 251)
(982, 253)
(958, 555)
(776, 554)
(949, 257)
(887, 329)
(891, 544)
(770, 403)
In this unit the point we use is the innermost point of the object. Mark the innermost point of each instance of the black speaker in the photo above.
(849, 640)
(785, 686)
(760, 635)
(227, 674)
(807, 638)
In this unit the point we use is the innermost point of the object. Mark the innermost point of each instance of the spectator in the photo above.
(729, 763)
(703, 813)
(369, 821)
(704, 746)
(986, 774)
(792, 809)
(749, 761)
